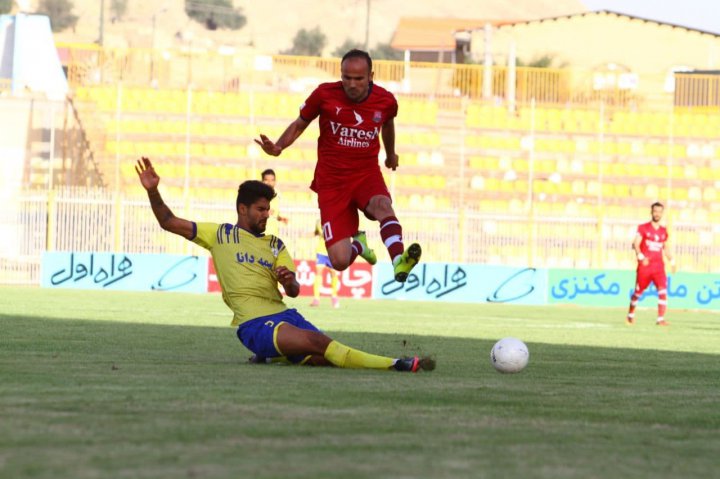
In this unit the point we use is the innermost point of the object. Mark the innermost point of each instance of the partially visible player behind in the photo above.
(273, 223)
(651, 247)
(353, 114)
(321, 264)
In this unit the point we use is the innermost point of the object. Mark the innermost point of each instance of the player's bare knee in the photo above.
(340, 263)
(380, 207)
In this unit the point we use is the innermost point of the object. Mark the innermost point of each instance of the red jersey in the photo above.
(653, 241)
(349, 140)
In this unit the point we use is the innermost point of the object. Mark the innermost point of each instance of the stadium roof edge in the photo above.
(610, 12)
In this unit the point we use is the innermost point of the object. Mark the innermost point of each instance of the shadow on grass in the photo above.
(146, 400)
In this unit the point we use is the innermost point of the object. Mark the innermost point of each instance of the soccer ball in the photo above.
(509, 355)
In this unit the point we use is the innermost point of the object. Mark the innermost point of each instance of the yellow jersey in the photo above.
(245, 266)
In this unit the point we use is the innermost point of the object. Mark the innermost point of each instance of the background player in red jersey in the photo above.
(650, 247)
(353, 114)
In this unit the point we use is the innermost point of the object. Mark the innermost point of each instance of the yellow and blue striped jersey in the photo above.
(319, 239)
(245, 266)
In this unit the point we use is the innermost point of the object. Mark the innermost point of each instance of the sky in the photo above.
(699, 14)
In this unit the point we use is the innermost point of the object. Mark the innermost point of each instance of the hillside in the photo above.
(272, 24)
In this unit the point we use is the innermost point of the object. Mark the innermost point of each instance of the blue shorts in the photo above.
(259, 334)
(323, 260)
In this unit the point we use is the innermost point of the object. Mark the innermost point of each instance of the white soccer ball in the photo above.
(509, 355)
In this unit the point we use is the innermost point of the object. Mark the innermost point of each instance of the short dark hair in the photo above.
(269, 171)
(657, 203)
(252, 190)
(355, 53)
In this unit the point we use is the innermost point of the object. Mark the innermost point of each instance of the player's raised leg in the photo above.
(403, 260)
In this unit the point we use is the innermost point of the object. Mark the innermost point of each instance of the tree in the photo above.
(346, 46)
(215, 14)
(118, 8)
(308, 42)
(60, 13)
(5, 6)
(544, 61)
(383, 51)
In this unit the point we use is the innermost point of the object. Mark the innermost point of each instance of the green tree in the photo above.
(118, 8)
(346, 46)
(60, 13)
(383, 51)
(5, 6)
(544, 61)
(215, 14)
(308, 42)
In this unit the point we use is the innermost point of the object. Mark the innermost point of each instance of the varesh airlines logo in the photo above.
(358, 118)
(354, 137)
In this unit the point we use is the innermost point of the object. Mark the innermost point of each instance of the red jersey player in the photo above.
(354, 113)
(650, 247)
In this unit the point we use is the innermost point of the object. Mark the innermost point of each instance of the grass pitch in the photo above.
(148, 385)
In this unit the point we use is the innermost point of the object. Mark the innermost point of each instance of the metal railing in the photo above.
(82, 219)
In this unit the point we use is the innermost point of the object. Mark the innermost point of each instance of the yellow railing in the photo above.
(180, 68)
(697, 90)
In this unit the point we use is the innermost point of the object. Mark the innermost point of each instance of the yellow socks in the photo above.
(345, 357)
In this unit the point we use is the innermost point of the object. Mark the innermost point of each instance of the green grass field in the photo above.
(153, 385)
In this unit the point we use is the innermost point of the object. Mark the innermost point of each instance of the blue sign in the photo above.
(126, 272)
(463, 283)
(614, 288)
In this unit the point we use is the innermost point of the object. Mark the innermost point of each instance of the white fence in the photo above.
(94, 220)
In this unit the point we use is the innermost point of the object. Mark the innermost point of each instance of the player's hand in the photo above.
(287, 279)
(285, 276)
(645, 262)
(268, 146)
(392, 161)
(148, 178)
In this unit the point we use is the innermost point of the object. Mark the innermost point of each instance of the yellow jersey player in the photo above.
(249, 266)
(321, 263)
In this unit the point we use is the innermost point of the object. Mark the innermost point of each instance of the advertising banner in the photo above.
(354, 282)
(463, 283)
(615, 287)
(124, 272)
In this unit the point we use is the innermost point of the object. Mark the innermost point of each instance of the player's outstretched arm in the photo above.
(167, 220)
(287, 279)
(392, 160)
(291, 133)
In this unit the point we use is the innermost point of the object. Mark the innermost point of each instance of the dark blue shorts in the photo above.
(259, 334)
(323, 260)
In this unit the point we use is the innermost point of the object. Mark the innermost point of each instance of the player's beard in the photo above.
(259, 227)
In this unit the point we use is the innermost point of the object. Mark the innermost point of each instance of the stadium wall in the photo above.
(616, 51)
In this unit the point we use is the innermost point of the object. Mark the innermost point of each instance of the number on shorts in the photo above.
(327, 231)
